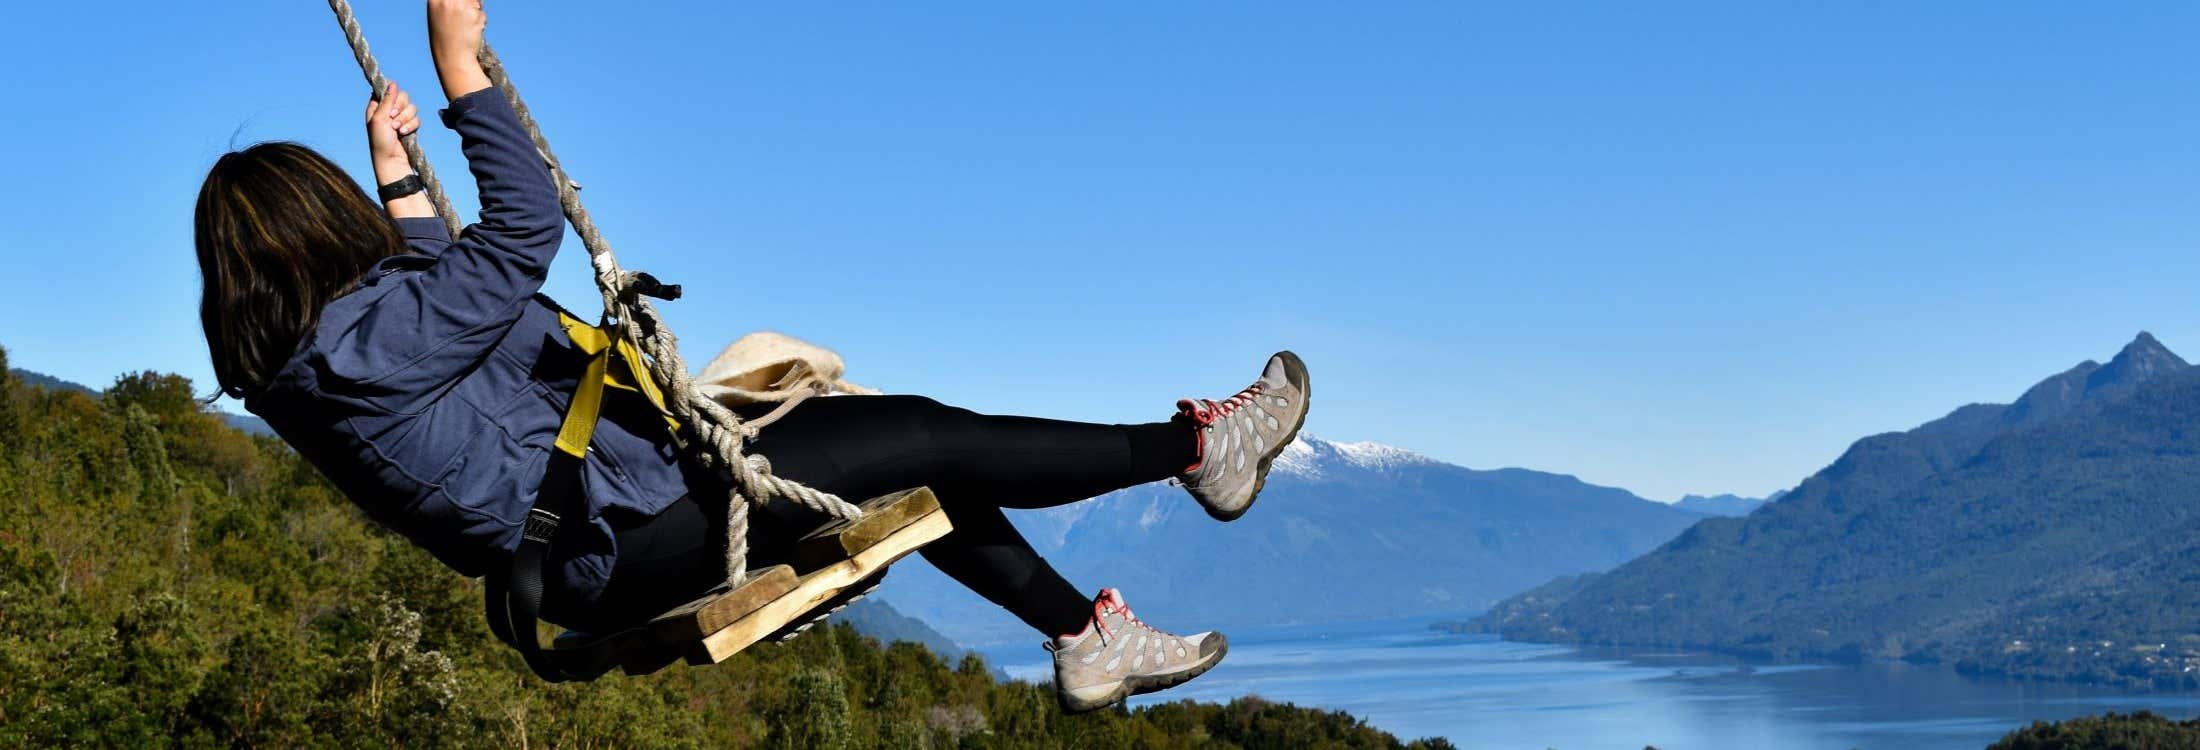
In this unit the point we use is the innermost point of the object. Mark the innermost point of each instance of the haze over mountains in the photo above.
(1725, 505)
(2056, 536)
(1343, 531)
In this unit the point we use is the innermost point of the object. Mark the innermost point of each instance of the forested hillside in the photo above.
(2143, 730)
(168, 580)
(2056, 537)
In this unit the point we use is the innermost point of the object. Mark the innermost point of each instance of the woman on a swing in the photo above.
(427, 378)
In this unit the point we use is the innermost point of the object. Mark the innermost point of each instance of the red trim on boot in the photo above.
(1202, 412)
(1199, 437)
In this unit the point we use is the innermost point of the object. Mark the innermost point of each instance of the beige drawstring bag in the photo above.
(766, 367)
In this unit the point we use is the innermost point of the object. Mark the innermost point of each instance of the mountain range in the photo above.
(246, 422)
(874, 617)
(42, 380)
(2056, 536)
(1725, 505)
(1342, 531)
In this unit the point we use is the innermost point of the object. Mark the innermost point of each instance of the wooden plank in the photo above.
(648, 648)
(818, 586)
(839, 601)
(729, 618)
(723, 605)
(882, 516)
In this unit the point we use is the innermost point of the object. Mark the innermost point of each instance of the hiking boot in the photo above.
(1116, 657)
(1241, 435)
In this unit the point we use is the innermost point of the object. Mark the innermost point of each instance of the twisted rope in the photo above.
(720, 433)
(411, 141)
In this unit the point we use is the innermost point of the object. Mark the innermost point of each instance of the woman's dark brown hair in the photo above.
(281, 230)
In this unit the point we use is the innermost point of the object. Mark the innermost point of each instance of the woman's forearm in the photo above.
(391, 118)
(388, 170)
(454, 37)
(460, 71)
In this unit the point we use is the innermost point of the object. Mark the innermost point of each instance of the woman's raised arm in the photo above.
(391, 117)
(480, 284)
(454, 37)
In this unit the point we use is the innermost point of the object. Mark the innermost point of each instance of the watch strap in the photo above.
(403, 186)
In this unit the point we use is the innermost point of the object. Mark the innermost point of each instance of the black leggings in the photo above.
(864, 446)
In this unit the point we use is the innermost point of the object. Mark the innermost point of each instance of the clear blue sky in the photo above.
(1692, 248)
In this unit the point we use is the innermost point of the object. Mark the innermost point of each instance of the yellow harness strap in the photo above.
(587, 405)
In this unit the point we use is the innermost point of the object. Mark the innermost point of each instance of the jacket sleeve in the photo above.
(497, 263)
(434, 326)
(425, 235)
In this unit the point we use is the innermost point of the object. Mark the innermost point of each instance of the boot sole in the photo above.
(1295, 369)
(1140, 684)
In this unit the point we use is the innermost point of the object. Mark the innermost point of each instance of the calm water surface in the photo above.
(1486, 693)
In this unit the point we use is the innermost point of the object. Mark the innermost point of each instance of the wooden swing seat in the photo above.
(832, 566)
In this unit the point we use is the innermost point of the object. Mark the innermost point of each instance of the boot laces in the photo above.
(1111, 600)
(1205, 412)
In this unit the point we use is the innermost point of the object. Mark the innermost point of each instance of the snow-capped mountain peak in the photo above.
(1311, 457)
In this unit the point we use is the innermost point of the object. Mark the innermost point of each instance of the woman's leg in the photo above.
(986, 554)
(859, 447)
(866, 446)
(863, 446)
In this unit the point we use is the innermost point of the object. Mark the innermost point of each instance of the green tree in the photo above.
(263, 693)
(11, 427)
(159, 656)
(388, 686)
(815, 713)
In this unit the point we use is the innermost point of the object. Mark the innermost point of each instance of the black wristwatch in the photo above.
(404, 186)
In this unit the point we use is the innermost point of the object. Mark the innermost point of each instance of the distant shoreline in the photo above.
(1468, 627)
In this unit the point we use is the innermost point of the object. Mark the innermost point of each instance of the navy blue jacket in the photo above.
(431, 395)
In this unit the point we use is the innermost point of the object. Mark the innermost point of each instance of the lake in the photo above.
(1485, 693)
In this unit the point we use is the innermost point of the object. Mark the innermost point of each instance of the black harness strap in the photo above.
(514, 596)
